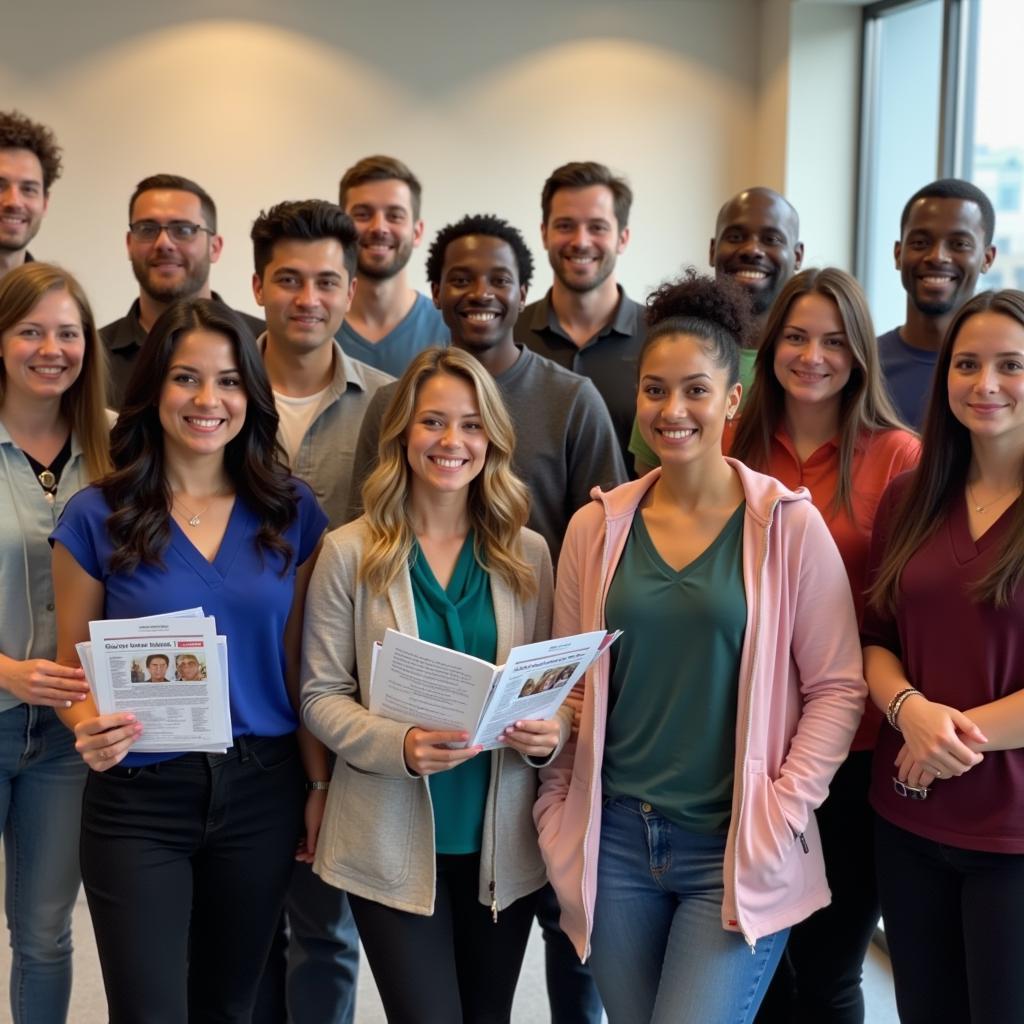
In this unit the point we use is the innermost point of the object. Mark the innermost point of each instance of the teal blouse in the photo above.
(460, 617)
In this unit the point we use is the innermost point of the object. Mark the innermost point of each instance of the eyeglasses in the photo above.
(177, 230)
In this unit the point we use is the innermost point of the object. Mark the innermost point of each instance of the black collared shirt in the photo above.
(608, 359)
(123, 339)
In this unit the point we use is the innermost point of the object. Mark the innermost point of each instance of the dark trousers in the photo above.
(572, 993)
(818, 980)
(185, 865)
(457, 966)
(313, 966)
(953, 924)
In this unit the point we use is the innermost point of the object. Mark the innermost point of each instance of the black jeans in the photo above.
(456, 965)
(818, 980)
(953, 924)
(185, 866)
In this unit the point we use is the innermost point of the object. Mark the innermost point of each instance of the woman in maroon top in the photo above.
(944, 658)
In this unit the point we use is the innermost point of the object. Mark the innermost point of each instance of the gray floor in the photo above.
(88, 1005)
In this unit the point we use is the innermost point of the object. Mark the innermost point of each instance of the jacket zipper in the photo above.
(494, 839)
(750, 715)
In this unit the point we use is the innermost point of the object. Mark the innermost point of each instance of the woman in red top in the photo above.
(818, 416)
(944, 657)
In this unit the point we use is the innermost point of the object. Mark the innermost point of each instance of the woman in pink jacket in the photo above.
(678, 824)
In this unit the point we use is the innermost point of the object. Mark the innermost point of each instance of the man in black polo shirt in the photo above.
(29, 165)
(172, 240)
(586, 322)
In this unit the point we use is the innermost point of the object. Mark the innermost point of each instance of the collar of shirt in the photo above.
(624, 322)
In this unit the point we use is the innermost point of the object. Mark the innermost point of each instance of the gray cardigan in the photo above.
(377, 837)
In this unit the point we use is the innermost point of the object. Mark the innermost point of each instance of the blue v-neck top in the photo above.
(242, 588)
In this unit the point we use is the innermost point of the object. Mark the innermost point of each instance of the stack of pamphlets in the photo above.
(170, 671)
(437, 688)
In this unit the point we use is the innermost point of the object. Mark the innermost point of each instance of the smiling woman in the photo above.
(53, 440)
(443, 865)
(198, 511)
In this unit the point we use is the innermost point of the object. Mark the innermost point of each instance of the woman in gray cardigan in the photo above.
(435, 844)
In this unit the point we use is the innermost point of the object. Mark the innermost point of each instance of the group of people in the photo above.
(712, 822)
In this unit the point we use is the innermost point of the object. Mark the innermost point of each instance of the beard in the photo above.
(192, 281)
(605, 269)
(935, 308)
(376, 272)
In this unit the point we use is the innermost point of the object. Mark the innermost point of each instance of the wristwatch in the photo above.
(312, 787)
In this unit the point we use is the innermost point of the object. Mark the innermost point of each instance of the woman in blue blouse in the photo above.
(53, 440)
(186, 857)
(433, 841)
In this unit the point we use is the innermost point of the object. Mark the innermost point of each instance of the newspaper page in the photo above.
(535, 681)
(437, 688)
(170, 672)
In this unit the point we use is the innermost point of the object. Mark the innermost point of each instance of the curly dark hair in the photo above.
(19, 132)
(480, 224)
(137, 490)
(716, 311)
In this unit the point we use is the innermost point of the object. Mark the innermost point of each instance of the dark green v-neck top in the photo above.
(460, 617)
(675, 677)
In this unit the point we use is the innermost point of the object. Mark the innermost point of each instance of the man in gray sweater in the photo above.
(479, 270)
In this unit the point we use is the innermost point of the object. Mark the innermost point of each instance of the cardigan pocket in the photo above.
(372, 829)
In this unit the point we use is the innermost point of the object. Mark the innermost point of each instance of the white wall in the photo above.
(259, 103)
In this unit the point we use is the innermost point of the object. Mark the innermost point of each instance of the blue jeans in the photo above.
(659, 951)
(41, 780)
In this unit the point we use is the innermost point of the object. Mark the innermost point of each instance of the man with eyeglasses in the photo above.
(172, 240)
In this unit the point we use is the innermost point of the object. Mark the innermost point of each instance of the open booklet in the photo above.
(170, 671)
(437, 688)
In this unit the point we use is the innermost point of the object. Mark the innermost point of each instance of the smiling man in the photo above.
(305, 257)
(945, 242)
(586, 322)
(389, 322)
(172, 240)
(479, 270)
(29, 165)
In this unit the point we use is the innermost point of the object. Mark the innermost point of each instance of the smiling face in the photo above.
(756, 245)
(305, 292)
(202, 401)
(388, 232)
(582, 236)
(813, 360)
(446, 445)
(188, 667)
(165, 269)
(479, 294)
(941, 254)
(684, 400)
(986, 377)
(43, 352)
(23, 200)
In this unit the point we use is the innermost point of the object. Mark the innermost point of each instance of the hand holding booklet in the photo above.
(170, 671)
(437, 688)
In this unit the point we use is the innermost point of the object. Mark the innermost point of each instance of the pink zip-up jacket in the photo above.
(801, 694)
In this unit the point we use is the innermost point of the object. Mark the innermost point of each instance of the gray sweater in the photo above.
(377, 837)
(565, 442)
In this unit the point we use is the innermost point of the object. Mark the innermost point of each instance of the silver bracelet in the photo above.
(893, 710)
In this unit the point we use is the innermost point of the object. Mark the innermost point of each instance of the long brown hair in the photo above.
(942, 474)
(864, 404)
(83, 405)
(498, 503)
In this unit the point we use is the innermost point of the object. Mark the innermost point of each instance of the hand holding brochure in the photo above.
(170, 671)
(437, 688)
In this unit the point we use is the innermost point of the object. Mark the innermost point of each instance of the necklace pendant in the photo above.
(194, 521)
(47, 479)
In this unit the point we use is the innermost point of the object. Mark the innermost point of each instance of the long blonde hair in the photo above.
(83, 405)
(498, 503)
